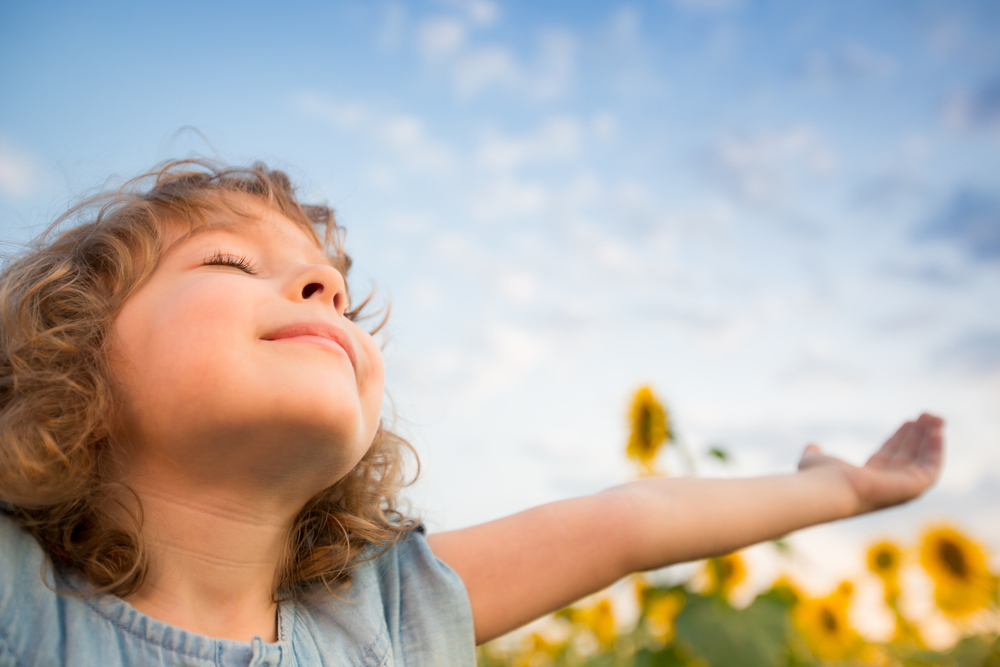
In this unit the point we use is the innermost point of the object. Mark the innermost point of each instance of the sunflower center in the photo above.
(953, 557)
(884, 560)
(644, 426)
(829, 621)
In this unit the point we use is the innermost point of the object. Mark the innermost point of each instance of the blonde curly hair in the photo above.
(58, 300)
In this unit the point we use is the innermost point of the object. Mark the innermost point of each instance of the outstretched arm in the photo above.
(521, 567)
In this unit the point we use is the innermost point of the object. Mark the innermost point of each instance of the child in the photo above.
(194, 471)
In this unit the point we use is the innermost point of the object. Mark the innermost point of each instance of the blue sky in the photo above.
(785, 216)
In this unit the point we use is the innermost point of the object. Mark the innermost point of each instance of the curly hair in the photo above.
(58, 301)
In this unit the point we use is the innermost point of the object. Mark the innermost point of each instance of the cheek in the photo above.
(373, 381)
(168, 344)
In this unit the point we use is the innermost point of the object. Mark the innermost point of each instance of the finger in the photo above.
(812, 449)
(884, 455)
(932, 447)
(910, 444)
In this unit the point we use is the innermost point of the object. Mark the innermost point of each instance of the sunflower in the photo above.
(962, 582)
(650, 427)
(539, 652)
(824, 626)
(599, 619)
(725, 573)
(884, 559)
(784, 589)
(660, 615)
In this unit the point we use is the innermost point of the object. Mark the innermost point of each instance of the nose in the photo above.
(321, 282)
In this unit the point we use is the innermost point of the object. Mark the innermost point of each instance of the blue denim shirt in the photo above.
(405, 608)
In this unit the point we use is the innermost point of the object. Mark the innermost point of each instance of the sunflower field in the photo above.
(695, 623)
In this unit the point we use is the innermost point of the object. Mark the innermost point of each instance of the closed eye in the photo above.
(226, 259)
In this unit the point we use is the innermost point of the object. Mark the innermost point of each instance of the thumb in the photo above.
(811, 449)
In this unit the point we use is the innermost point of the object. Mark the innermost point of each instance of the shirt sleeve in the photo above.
(29, 610)
(427, 608)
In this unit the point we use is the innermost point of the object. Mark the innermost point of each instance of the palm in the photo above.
(903, 468)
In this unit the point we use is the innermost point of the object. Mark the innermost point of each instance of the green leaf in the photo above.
(993, 658)
(724, 636)
(974, 651)
(719, 453)
(670, 656)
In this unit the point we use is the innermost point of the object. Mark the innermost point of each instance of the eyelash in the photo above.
(241, 262)
(226, 259)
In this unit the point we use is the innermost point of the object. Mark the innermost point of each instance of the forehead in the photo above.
(246, 217)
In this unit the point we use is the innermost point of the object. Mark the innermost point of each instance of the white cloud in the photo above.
(517, 286)
(18, 171)
(511, 352)
(425, 295)
(484, 68)
(404, 136)
(342, 115)
(559, 138)
(853, 61)
(584, 191)
(555, 66)
(711, 218)
(974, 109)
(475, 70)
(624, 27)
(706, 5)
(440, 37)
(393, 23)
(762, 168)
(605, 125)
(478, 12)
(611, 252)
(505, 198)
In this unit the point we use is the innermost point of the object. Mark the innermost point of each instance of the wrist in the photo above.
(836, 484)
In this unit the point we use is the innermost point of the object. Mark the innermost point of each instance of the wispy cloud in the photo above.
(441, 37)
(976, 352)
(558, 138)
(974, 109)
(452, 42)
(761, 168)
(848, 63)
(404, 136)
(393, 24)
(18, 171)
(705, 5)
(478, 12)
(547, 77)
(970, 219)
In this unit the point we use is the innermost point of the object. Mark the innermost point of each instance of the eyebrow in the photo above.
(235, 229)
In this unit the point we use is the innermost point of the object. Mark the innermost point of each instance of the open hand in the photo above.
(905, 466)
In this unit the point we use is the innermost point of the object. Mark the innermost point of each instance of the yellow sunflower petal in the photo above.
(661, 614)
(884, 558)
(962, 580)
(649, 426)
(824, 625)
(600, 620)
(725, 573)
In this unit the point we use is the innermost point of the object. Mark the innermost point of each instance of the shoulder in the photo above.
(410, 573)
(21, 560)
(28, 605)
(426, 604)
(405, 603)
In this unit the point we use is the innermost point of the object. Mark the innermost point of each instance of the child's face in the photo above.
(210, 395)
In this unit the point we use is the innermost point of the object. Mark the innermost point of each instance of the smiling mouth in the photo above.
(317, 332)
(315, 340)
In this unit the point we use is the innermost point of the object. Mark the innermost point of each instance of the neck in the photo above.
(213, 557)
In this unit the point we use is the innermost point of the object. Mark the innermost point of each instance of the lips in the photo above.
(317, 328)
